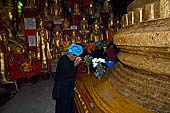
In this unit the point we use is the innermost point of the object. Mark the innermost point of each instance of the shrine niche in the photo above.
(33, 38)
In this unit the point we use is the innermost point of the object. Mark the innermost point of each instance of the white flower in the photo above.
(94, 60)
(95, 64)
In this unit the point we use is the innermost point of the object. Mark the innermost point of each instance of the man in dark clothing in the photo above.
(63, 91)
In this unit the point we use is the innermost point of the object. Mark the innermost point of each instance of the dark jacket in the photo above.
(64, 79)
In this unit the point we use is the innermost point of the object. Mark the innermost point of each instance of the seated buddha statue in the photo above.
(96, 35)
(76, 10)
(84, 26)
(66, 43)
(56, 45)
(106, 6)
(73, 37)
(66, 24)
(91, 8)
(57, 10)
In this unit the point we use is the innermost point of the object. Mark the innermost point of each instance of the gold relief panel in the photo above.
(138, 15)
(164, 8)
(157, 10)
(131, 17)
(148, 12)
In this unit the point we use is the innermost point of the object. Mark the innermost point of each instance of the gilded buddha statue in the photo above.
(66, 24)
(57, 10)
(106, 6)
(85, 39)
(76, 10)
(6, 13)
(57, 43)
(66, 43)
(96, 35)
(43, 48)
(73, 37)
(31, 4)
(84, 26)
(91, 9)
(46, 10)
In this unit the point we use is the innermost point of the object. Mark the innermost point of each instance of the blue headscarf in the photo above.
(99, 43)
(75, 49)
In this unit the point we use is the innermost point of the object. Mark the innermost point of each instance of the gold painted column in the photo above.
(2, 71)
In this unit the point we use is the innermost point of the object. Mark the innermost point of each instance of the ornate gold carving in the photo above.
(66, 24)
(43, 45)
(106, 6)
(31, 4)
(57, 43)
(144, 52)
(66, 43)
(84, 26)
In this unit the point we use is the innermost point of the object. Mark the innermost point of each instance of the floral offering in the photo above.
(88, 60)
(100, 69)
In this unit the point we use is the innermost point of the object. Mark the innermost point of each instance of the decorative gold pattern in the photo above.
(143, 74)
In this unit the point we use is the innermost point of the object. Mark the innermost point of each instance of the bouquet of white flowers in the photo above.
(100, 69)
(88, 60)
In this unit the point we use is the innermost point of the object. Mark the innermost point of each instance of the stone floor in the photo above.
(35, 98)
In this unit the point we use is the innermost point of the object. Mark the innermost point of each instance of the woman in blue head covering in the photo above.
(99, 51)
(63, 90)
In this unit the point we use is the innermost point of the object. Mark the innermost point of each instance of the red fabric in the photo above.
(81, 70)
(111, 34)
(30, 33)
(15, 70)
(2, 47)
(105, 17)
(111, 53)
(86, 3)
(90, 46)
